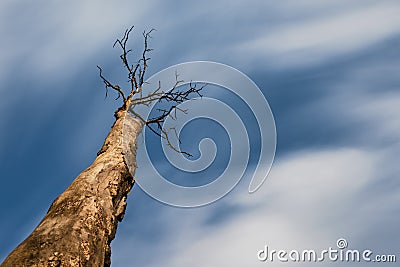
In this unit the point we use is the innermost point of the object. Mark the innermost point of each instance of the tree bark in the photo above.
(81, 223)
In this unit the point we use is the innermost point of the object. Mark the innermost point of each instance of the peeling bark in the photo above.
(81, 223)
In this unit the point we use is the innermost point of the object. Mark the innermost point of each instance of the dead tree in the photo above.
(81, 223)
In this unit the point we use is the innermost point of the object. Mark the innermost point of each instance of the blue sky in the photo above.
(329, 70)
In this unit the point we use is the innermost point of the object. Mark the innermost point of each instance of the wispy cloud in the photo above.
(55, 39)
(325, 35)
(310, 200)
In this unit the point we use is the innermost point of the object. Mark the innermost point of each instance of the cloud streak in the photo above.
(323, 37)
(311, 199)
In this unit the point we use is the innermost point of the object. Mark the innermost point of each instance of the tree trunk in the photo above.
(81, 223)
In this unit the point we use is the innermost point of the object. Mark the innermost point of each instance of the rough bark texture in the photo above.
(81, 223)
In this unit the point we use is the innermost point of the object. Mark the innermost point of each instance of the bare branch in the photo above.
(137, 71)
(110, 85)
(124, 57)
(172, 98)
(144, 58)
(136, 78)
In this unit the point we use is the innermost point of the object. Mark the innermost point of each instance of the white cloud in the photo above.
(384, 109)
(55, 39)
(322, 37)
(365, 102)
(305, 204)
